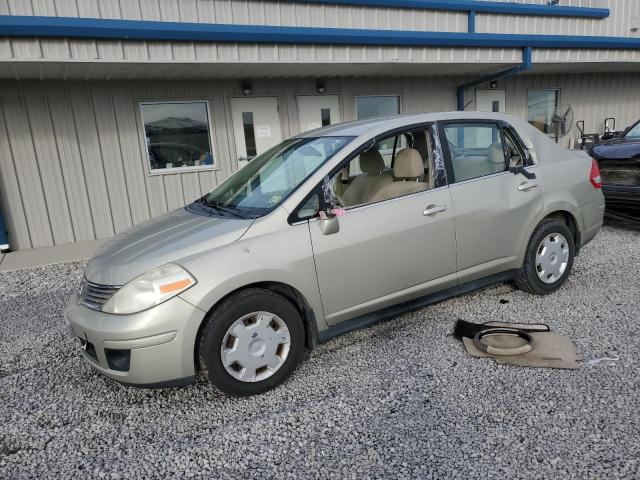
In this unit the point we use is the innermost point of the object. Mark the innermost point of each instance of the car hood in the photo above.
(616, 148)
(165, 239)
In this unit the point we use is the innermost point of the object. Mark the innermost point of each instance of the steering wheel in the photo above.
(452, 148)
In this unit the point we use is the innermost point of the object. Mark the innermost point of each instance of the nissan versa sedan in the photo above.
(330, 231)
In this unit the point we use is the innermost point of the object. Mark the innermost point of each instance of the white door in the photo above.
(256, 126)
(490, 100)
(315, 111)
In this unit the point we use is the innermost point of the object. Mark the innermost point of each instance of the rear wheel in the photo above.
(252, 342)
(548, 259)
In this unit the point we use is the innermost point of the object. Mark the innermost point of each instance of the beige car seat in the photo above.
(421, 143)
(495, 157)
(407, 169)
(372, 179)
(469, 167)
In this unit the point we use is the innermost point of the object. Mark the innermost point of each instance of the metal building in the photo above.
(115, 111)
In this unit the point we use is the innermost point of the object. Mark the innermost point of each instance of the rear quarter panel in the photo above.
(565, 181)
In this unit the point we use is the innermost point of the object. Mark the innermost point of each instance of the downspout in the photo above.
(523, 67)
(4, 241)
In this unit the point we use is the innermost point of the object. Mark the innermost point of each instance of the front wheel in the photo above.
(548, 259)
(252, 342)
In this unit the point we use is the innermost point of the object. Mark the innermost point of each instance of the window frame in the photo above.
(524, 151)
(150, 172)
(451, 177)
(294, 219)
(558, 91)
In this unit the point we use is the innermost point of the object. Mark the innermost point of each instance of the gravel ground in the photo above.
(398, 400)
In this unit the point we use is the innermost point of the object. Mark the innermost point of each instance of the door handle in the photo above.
(524, 186)
(433, 209)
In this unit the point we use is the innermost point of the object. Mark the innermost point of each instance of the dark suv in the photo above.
(619, 161)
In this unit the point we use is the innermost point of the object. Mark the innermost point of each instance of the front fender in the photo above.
(283, 256)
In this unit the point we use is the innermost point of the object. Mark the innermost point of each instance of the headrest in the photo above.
(371, 162)
(420, 144)
(408, 164)
(495, 154)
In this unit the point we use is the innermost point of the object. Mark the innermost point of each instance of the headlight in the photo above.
(150, 289)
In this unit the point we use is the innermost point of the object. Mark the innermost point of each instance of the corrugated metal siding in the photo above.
(72, 158)
(339, 16)
(618, 24)
(73, 50)
(296, 14)
(593, 97)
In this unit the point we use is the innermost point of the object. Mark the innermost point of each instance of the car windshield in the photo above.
(634, 132)
(271, 177)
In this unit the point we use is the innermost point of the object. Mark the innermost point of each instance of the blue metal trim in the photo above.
(22, 26)
(471, 22)
(501, 8)
(4, 241)
(526, 64)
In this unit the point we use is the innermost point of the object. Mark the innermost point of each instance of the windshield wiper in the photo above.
(224, 208)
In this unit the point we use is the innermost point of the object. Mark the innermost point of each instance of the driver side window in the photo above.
(394, 166)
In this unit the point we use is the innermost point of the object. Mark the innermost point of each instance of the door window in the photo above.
(476, 150)
(249, 134)
(393, 167)
(514, 153)
(271, 177)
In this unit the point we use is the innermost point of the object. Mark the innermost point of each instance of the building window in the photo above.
(177, 135)
(540, 107)
(377, 106)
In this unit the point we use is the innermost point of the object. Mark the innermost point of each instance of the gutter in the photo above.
(484, 6)
(523, 67)
(93, 28)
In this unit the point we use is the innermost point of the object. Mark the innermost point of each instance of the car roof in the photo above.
(380, 124)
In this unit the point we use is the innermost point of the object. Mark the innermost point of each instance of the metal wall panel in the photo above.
(73, 160)
(618, 24)
(341, 16)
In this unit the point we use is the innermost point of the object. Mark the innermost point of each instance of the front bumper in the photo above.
(623, 203)
(154, 348)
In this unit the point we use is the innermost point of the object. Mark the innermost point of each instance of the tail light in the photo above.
(594, 176)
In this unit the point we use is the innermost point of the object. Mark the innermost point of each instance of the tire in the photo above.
(247, 313)
(532, 277)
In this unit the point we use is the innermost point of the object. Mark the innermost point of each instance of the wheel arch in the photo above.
(570, 221)
(564, 215)
(290, 293)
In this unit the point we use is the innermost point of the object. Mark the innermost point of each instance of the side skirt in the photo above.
(394, 310)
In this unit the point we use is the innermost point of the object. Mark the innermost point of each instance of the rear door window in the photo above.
(476, 149)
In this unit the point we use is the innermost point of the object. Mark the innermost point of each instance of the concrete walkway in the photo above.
(37, 257)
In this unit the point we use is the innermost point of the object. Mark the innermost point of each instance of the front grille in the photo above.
(95, 296)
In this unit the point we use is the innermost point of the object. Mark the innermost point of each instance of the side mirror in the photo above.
(523, 171)
(329, 224)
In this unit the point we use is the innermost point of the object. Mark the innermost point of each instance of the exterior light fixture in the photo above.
(320, 87)
(245, 86)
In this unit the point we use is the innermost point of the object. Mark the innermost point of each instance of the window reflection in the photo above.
(177, 134)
